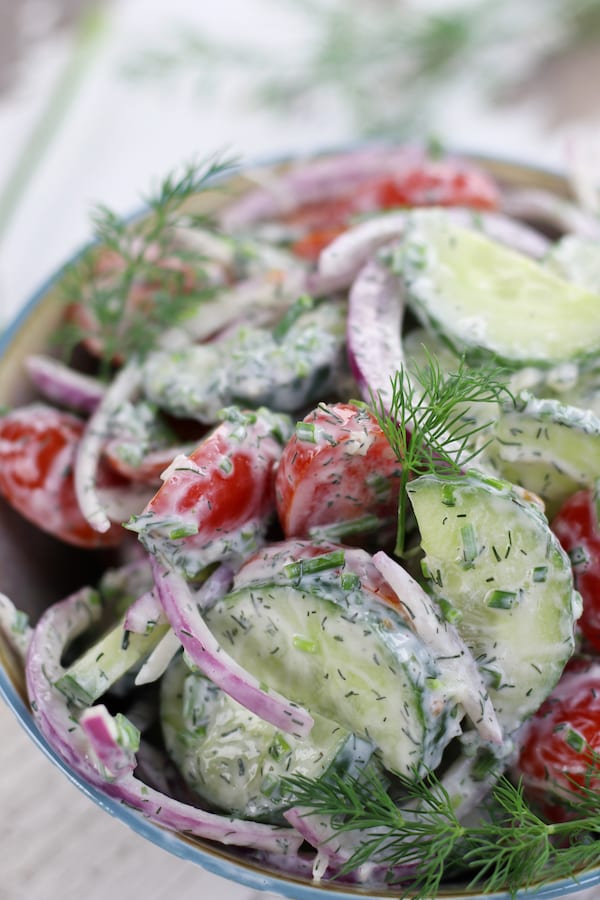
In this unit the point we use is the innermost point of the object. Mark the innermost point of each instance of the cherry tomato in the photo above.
(577, 528)
(423, 182)
(38, 444)
(209, 499)
(337, 469)
(561, 742)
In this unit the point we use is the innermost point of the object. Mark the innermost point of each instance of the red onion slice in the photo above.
(64, 385)
(375, 312)
(124, 387)
(182, 610)
(452, 654)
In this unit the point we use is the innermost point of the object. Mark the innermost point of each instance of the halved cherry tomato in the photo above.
(337, 470)
(423, 182)
(559, 753)
(578, 530)
(219, 496)
(38, 444)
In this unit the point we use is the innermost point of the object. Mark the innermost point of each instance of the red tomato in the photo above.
(225, 487)
(336, 469)
(561, 742)
(422, 182)
(37, 450)
(576, 526)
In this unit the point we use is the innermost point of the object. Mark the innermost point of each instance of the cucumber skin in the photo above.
(522, 649)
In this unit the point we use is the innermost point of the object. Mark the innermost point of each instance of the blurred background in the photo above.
(100, 100)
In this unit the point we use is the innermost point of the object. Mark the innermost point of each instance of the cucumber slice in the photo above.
(576, 259)
(107, 660)
(234, 759)
(357, 663)
(549, 447)
(489, 301)
(285, 369)
(492, 556)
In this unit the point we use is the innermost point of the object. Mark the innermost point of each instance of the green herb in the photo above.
(137, 296)
(510, 848)
(426, 426)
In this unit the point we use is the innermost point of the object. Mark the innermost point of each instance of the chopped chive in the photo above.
(279, 746)
(183, 531)
(448, 495)
(306, 645)
(575, 740)
(469, 542)
(349, 581)
(540, 573)
(498, 599)
(578, 556)
(304, 303)
(306, 431)
(316, 564)
(449, 611)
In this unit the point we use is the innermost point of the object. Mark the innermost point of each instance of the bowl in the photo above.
(37, 570)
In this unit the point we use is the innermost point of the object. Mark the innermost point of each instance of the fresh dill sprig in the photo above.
(510, 848)
(428, 422)
(146, 262)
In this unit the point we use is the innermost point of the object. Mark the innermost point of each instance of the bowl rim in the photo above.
(213, 857)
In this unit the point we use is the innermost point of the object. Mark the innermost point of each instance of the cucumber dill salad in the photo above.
(339, 431)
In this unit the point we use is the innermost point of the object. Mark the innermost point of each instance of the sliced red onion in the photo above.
(64, 385)
(124, 386)
(183, 612)
(116, 756)
(158, 662)
(57, 627)
(452, 654)
(54, 631)
(547, 209)
(144, 614)
(375, 312)
(121, 502)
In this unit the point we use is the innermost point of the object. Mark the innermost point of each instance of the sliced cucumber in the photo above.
(114, 654)
(548, 447)
(284, 369)
(234, 759)
(357, 663)
(576, 259)
(492, 556)
(490, 301)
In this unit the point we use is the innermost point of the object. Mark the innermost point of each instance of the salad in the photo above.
(334, 444)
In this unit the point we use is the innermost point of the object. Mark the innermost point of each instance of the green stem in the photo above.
(89, 29)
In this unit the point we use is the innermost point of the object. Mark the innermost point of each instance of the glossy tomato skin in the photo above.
(38, 444)
(216, 503)
(577, 528)
(416, 182)
(337, 469)
(562, 740)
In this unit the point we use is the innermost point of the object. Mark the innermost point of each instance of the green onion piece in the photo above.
(498, 599)
(316, 564)
(469, 542)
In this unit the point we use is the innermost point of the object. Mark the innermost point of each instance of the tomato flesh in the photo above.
(336, 469)
(562, 740)
(576, 526)
(38, 445)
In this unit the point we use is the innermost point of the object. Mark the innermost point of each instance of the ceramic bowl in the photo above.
(36, 570)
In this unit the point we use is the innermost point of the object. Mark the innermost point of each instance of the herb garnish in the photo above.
(137, 280)
(511, 848)
(429, 425)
